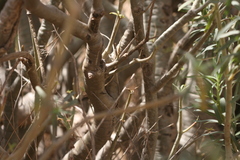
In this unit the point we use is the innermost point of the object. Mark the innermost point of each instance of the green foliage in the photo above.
(216, 64)
(118, 14)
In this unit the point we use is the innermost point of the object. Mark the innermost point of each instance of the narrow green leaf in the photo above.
(226, 28)
(114, 13)
(227, 34)
(185, 5)
(41, 92)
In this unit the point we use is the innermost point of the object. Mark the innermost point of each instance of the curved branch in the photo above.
(3, 153)
(57, 17)
(8, 22)
(161, 40)
(173, 71)
(29, 62)
(148, 77)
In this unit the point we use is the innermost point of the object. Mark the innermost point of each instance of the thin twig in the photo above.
(161, 40)
(173, 71)
(228, 96)
(98, 116)
(29, 62)
(57, 17)
(115, 29)
(3, 154)
(180, 130)
(124, 55)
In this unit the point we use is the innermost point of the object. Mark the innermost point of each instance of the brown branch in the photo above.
(173, 71)
(3, 154)
(74, 8)
(148, 76)
(9, 16)
(158, 103)
(127, 133)
(57, 17)
(161, 40)
(34, 130)
(29, 62)
(96, 15)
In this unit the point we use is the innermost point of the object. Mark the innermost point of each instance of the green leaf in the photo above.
(223, 32)
(227, 34)
(236, 4)
(218, 114)
(41, 92)
(209, 48)
(184, 5)
(114, 13)
(208, 121)
(118, 14)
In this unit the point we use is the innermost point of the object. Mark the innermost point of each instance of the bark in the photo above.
(9, 17)
(128, 137)
(94, 74)
(24, 32)
(167, 34)
(161, 20)
(148, 78)
(57, 17)
(10, 113)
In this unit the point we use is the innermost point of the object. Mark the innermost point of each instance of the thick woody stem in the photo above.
(57, 17)
(29, 62)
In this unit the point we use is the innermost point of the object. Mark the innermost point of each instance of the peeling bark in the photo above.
(9, 17)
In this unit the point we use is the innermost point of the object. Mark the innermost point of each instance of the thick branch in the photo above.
(57, 17)
(8, 20)
(173, 71)
(3, 153)
(129, 130)
(39, 123)
(29, 63)
(148, 77)
(161, 40)
(96, 15)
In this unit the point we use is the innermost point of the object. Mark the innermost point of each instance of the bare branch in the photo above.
(148, 77)
(57, 17)
(3, 154)
(96, 15)
(114, 31)
(9, 16)
(161, 40)
(173, 71)
(30, 64)
(34, 130)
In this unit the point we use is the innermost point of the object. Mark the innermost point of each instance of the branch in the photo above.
(115, 29)
(57, 17)
(127, 133)
(96, 15)
(29, 62)
(161, 40)
(148, 76)
(124, 134)
(3, 154)
(39, 123)
(74, 8)
(9, 16)
(173, 71)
